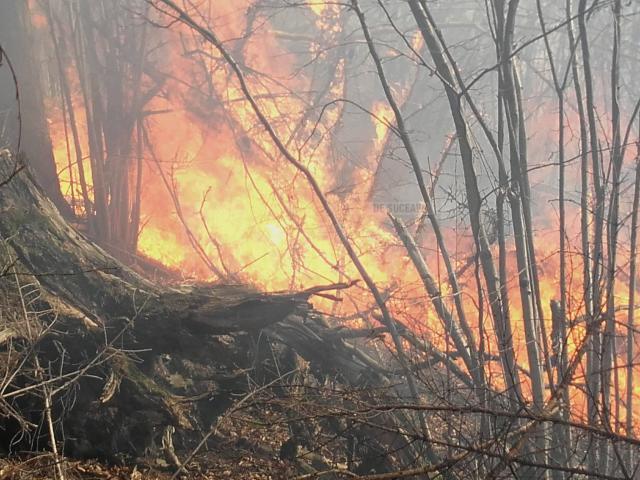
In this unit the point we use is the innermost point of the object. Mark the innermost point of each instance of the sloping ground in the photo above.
(102, 363)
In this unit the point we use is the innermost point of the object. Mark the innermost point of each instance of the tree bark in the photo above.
(16, 41)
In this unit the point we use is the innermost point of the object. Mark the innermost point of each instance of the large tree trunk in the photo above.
(29, 121)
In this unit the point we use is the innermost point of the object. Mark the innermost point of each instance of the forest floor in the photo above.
(215, 466)
(242, 451)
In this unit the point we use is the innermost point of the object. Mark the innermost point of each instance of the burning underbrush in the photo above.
(404, 232)
(210, 195)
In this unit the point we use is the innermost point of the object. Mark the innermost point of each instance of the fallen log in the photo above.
(129, 360)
